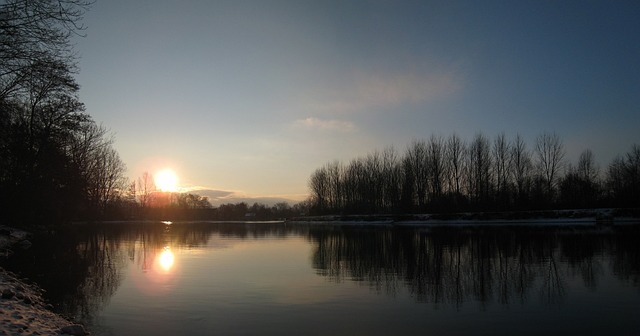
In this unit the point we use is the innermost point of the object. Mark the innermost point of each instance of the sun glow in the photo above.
(166, 259)
(166, 180)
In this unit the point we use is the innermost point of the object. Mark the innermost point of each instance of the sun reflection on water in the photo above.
(166, 259)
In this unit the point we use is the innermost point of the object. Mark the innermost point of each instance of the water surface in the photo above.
(277, 279)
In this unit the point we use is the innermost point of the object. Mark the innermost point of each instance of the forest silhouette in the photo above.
(452, 175)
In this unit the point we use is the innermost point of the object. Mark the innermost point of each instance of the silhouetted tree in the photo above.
(521, 169)
(100, 166)
(436, 168)
(373, 182)
(283, 210)
(187, 201)
(392, 183)
(233, 211)
(580, 187)
(623, 178)
(319, 185)
(35, 40)
(334, 191)
(446, 176)
(417, 165)
(550, 155)
(479, 170)
(587, 167)
(353, 186)
(54, 159)
(454, 163)
(408, 186)
(146, 188)
(502, 167)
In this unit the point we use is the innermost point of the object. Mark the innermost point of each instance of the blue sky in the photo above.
(248, 98)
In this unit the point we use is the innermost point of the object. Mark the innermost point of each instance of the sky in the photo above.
(245, 99)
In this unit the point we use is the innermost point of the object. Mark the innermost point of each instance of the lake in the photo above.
(282, 279)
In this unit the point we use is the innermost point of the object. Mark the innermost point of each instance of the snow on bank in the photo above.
(22, 309)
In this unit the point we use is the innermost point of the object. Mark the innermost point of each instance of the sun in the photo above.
(166, 180)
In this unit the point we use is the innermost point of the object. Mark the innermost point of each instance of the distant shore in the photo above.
(549, 218)
(573, 217)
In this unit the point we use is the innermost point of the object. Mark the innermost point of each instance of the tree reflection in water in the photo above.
(82, 267)
(453, 266)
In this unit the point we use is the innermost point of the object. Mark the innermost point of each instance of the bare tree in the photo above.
(407, 196)
(334, 191)
(454, 163)
(587, 168)
(502, 166)
(146, 187)
(35, 34)
(479, 169)
(623, 178)
(98, 164)
(435, 160)
(450, 176)
(132, 193)
(392, 182)
(107, 180)
(417, 165)
(319, 185)
(374, 182)
(579, 187)
(352, 184)
(521, 167)
(550, 154)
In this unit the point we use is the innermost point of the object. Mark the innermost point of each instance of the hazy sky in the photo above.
(250, 97)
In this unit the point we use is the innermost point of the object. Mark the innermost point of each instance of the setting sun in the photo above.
(166, 180)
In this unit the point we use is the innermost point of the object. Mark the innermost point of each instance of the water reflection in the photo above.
(82, 268)
(453, 266)
(166, 259)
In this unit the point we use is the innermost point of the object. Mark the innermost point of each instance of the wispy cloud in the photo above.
(325, 124)
(404, 88)
(217, 197)
(366, 91)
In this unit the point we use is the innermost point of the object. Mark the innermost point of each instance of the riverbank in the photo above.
(572, 217)
(22, 308)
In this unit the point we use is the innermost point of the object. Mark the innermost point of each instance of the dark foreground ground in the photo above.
(22, 309)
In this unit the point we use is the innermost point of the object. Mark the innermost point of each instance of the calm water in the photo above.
(276, 279)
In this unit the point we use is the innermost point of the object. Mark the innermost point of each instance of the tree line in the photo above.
(56, 163)
(141, 200)
(485, 174)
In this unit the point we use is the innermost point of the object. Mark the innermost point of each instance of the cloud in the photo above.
(406, 88)
(366, 91)
(218, 197)
(325, 124)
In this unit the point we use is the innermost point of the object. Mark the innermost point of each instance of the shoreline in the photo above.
(23, 310)
(600, 217)
(605, 217)
(464, 223)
